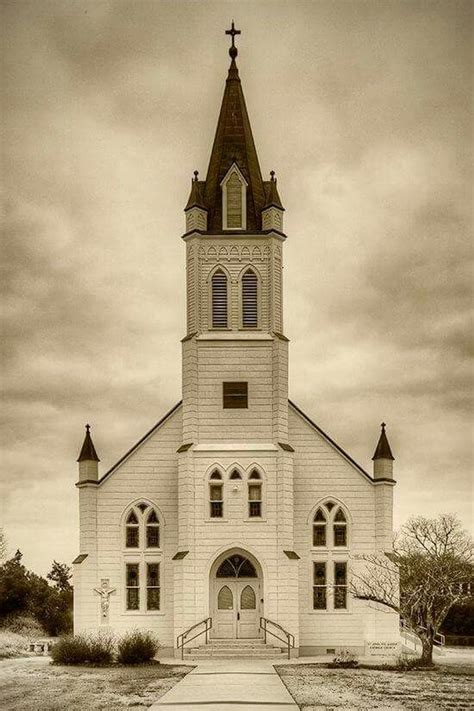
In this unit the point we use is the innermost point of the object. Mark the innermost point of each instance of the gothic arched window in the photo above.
(216, 495)
(132, 531)
(319, 528)
(340, 528)
(219, 299)
(152, 530)
(255, 494)
(142, 566)
(249, 299)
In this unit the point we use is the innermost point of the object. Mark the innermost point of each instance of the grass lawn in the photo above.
(315, 688)
(34, 684)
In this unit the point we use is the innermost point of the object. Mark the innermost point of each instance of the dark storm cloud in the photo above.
(364, 111)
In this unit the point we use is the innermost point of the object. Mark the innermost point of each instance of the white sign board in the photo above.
(382, 648)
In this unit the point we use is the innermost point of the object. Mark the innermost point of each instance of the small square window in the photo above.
(235, 395)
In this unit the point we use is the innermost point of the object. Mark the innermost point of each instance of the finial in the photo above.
(196, 173)
(383, 426)
(88, 428)
(232, 32)
(272, 176)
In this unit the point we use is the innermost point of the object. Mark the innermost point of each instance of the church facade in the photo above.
(236, 508)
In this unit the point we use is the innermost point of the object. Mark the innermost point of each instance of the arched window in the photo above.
(340, 528)
(330, 527)
(219, 299)
(319, 528)
(152, 530)
(235, 474)
(225, 599)
(236, 567)
(248, 601)
(216, 495)
(132, 531)
(142, 570)
(255, 494)
(249, 299)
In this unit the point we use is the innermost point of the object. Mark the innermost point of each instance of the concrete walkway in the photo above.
(229, 685)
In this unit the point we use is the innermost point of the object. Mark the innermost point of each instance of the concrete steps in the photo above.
(234, 649)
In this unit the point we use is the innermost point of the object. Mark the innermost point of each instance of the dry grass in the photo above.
(34, 683)
(316, 688)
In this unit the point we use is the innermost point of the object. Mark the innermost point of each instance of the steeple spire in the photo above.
(383, 450)
(233, 143)
(88, 452)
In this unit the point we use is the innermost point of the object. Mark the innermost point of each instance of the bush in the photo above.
(344, 659)
(137, 647)
(84, 649)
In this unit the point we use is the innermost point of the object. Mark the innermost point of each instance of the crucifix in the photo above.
(232, 32)
(104, 591)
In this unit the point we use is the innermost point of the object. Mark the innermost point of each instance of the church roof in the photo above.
(383, 450)
(88, 452)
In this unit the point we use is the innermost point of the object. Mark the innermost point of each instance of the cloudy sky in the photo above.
(362, 109)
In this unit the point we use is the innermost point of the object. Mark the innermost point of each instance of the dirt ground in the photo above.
(33, 683)
(315, 688)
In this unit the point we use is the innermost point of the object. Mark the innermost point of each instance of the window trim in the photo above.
(242, 326)
(240, 395)
(228, 326)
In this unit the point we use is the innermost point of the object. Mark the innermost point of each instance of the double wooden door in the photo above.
(236, 608)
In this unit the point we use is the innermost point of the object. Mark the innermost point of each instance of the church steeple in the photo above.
(233, 154)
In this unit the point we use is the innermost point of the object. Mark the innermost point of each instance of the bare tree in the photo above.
(429, 571)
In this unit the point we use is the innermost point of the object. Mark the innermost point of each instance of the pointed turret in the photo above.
(383, 457)
(272, 213)
(196, 210)
(88, 459)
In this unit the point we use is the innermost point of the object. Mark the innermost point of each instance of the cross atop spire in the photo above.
(233, 32)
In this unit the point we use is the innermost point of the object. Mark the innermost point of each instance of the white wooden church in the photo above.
(235, 513)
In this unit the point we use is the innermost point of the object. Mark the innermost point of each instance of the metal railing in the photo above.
(182, 638)
(289, 641)
(405, 630)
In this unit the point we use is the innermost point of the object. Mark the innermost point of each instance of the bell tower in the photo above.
(235, 360)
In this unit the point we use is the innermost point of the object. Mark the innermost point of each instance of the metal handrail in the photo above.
(290, 640)
(438, 637)
(182, 638)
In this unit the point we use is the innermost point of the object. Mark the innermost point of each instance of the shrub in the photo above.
(137, 647)
(71, 650)
(11, 645)
(84, 649)
(344, 659)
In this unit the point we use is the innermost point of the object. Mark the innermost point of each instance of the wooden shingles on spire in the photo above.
(233, 143)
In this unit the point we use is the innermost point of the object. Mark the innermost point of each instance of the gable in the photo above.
(146, 438)
(300, 416)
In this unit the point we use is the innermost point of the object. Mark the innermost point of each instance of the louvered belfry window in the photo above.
(219, 300)
(234, 202)
(249, 299)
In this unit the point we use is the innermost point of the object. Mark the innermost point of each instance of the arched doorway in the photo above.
(236, 597)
